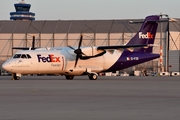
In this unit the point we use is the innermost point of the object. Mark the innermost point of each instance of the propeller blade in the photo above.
(33, 43)
(77, 57)
(80, 41)
(78, 51)
(71, 47)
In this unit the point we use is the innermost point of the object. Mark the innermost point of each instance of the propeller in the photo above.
(78, 51)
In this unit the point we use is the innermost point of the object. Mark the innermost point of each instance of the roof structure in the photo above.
(75, 26)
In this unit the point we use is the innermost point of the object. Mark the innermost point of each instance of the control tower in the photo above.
(22, 12)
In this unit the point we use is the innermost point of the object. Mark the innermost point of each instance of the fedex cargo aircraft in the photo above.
(91, 60)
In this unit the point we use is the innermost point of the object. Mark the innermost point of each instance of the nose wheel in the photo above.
(69, 77)
(15, 77)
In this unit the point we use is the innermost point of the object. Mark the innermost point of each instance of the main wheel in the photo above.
(92, 76)
(69, 77)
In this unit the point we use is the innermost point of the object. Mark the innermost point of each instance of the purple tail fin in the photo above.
(146, 34)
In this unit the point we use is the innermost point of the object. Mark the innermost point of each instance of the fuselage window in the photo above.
(28, 56)
(17, 56)
(23, 56)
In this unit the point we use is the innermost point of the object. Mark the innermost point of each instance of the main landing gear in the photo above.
(92, 76)
(15, 77)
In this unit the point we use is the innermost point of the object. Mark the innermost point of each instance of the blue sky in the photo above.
(94, 9)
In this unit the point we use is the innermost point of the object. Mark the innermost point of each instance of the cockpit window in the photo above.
(28, 56)
(17, 56)
(23, 56)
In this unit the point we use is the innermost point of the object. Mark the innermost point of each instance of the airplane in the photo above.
(90, 60)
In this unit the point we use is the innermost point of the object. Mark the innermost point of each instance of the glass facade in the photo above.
(22, 12)
(22, 8)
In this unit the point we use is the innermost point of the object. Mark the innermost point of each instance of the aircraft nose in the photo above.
(6, 66)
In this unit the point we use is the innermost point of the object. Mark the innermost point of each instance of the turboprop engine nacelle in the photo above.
(91, 51)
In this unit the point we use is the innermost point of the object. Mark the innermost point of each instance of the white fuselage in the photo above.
(58, 61)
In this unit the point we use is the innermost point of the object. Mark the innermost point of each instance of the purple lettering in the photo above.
(50, 58)
(43, 59)
(39, 58)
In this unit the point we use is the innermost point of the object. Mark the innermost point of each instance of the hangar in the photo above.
(54, 33)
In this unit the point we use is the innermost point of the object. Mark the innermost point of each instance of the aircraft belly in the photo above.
(97, 64)
(89, 65)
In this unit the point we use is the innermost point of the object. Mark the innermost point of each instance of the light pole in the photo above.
(166, 45)
(167, 41)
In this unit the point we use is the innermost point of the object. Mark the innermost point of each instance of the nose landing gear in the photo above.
(15, 77)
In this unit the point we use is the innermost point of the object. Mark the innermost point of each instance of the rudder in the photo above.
(146, 34)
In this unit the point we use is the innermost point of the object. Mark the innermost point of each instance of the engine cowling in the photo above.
(91, 52)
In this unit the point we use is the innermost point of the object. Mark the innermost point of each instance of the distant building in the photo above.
(22, 12)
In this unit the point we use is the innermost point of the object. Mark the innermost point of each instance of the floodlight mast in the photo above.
(167, 42)
(166, 45)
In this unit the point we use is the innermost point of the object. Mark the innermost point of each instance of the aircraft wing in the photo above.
(120, 47)
(23, 48)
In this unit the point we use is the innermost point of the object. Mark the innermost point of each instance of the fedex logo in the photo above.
(50, 58)
(148, 35)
